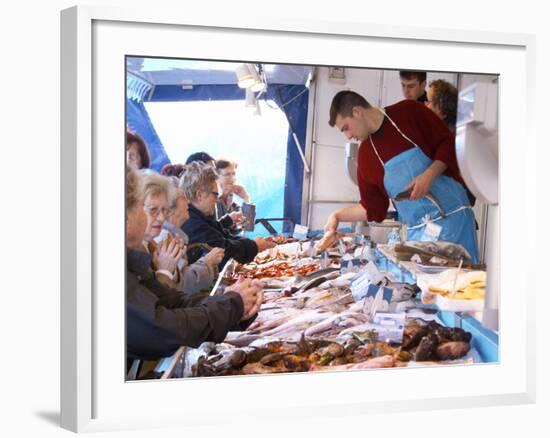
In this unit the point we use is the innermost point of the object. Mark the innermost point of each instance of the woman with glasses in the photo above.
(160, 319)
(166, 209)
(228, 211)
(199, 184)
(159, 194)
(201, 274)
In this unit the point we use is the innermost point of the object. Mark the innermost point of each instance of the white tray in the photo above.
(444, 303)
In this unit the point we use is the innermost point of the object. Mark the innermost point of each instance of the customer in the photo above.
(203, 157)
(137, 154)
(199, 183)
(166, 207)
(228, 212)
(201, 274)
(159, 319)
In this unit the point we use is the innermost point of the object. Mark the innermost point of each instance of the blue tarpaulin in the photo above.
(293, 99)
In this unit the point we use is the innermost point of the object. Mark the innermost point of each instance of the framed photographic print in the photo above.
(181, 85)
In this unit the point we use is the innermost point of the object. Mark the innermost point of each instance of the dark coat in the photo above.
(159, 320)
(206, 229)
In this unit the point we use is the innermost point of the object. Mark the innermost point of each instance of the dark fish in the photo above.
(405, 195)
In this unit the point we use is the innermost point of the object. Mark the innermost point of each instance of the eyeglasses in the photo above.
(155, 211)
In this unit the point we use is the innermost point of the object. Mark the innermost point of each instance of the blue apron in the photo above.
(459, 224)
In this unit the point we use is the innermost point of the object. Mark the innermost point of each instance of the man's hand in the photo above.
(251, 292)
(264, 244)
(328, 239)
(422, 183)
(332, 223)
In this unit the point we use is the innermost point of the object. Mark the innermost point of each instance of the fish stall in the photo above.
(352, 306)
(370, 297)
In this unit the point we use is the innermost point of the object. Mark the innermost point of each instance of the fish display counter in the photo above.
(341, 309)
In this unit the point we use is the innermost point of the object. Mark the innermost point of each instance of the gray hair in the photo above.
(155, 184)
(197, 177)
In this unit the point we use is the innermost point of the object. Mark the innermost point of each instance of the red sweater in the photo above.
(423, 127)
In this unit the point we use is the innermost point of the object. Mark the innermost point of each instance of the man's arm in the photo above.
(355, 213)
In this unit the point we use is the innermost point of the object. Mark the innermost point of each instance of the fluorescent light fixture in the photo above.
(246, 75)
(258, 85)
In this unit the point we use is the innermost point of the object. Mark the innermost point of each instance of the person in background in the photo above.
(406, 152)
(158, 319)
(413, 85)
(199, 183)
(202, 157)
(137, 154)
(172, 170)
(443, 100)
(228, 212)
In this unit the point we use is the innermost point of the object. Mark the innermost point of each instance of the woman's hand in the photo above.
(237, 217)
(251, 292)
(167, 255)
(264, 244)
(241, 192)
(214, 257)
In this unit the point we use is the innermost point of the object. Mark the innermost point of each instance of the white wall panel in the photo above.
(363, 81)
(320, 213)
(330, 181)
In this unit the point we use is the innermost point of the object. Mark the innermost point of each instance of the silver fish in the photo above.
(405, 195)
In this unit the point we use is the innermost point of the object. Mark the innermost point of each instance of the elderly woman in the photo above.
(159, 193)
(199, 275)
(228, 212)
(137, 154)
(199, 183)
(167, 209)
(160, 319)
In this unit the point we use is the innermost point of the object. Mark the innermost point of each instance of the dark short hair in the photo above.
(409, 75)
(172, 170)
(199, 156)
(445, 97)
(343, 103)
(133, 138)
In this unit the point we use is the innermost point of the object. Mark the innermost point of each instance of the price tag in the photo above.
(300, 232)
(432, 232)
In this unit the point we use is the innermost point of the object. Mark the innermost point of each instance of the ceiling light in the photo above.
(246, 75)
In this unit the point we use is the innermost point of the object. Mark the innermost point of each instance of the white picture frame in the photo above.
(94, 396)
